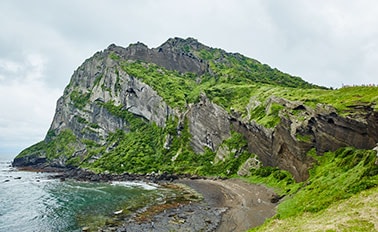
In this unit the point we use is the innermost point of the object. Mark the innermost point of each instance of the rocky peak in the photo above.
(182, 45)
(175, 54)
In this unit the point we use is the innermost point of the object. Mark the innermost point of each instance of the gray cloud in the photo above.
(43, 42)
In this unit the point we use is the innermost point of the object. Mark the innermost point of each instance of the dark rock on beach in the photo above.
(192, 217)
(85, 175)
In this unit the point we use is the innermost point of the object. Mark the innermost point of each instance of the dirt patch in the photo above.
(247, 205)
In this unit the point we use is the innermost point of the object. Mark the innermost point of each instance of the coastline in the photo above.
(227, 205)
(224, 204)
(246, 205)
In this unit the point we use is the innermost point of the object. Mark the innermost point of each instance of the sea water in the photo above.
(31, 201)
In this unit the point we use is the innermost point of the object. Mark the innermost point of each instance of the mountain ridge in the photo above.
(196, 99)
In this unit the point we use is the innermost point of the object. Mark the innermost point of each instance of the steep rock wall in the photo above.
(100, 80)
(286, 145)
(209, 125)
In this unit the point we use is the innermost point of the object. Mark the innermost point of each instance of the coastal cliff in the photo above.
(185, 107)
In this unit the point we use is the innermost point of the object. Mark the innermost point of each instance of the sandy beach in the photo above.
(247, 205)
(227, 205)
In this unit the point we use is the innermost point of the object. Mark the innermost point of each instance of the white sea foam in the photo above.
(144, 185)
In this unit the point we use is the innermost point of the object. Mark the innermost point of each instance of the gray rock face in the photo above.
(208, 124)
(332, 131)
(97, 81)
(250, 163)
(33, 159)
(286, 145)
(172, 55)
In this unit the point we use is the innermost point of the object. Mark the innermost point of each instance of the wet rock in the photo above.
(33, 159)
(276, 198)
(180, 219)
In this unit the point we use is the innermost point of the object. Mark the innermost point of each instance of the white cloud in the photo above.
(26, 104)
(9, 66)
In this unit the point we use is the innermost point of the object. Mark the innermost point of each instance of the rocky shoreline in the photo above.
(225, 205)
(85, 175)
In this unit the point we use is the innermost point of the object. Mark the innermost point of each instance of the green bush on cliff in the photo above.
(79, 99)
(138, 148)
(61, 145)
(176, 89)
(236, 68)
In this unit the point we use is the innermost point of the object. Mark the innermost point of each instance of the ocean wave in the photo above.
(133, 184)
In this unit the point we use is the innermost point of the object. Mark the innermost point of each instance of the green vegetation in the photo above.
(337, 176)
(303, 138)
(97, 80)
(80, 119)
(114, 56)
(270, 119)
(357, 213)
(138, 147)
(79, 99)
(343, 99)
(237, 155)
(117, 84)
(176, 89)
(281, 181)
(61, 145)
(236, 68)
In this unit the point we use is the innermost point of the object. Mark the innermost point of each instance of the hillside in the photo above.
(185, 107)
(358, 213)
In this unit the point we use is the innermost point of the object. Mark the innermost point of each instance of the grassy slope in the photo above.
(357, 213)
(330, 190)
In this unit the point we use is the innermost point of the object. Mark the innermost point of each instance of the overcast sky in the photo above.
(325, 42)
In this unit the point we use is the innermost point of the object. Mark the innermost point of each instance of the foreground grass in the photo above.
(358, 213)
(340, 195)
